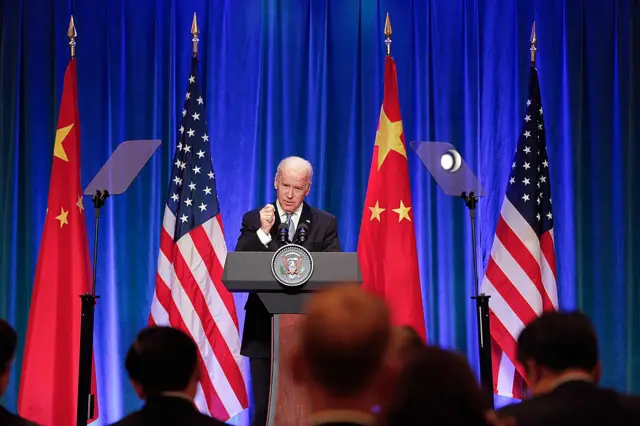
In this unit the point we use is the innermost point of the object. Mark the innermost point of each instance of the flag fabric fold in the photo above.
(49, 380)
(189, 293)
(520, 275)
(387, 243)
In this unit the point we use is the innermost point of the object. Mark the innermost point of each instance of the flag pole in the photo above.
(194, 32)
(534, 50)
(72, 34)
(534, 44)
(387, 33)
(86, 400)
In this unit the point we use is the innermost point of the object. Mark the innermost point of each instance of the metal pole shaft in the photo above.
(482, 312)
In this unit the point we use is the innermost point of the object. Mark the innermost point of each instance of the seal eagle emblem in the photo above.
(292, 265)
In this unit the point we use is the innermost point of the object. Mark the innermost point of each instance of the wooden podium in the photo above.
(250, 272)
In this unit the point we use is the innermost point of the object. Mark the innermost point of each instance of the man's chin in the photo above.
(289, 208)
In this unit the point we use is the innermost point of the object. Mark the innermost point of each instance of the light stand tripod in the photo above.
(482, 307)
(86, 400)
(114, 178)
(455, 178)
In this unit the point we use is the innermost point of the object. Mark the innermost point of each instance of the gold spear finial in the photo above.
(387, 32)
(72, 33)
(534, 44)
(195, 32)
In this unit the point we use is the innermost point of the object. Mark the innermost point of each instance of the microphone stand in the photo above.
(302, 233)
(86, 400)
(283, 233)
(482, 308)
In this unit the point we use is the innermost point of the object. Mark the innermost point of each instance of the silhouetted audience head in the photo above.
(163, 359)
(8, 344)
(556, 344)
(436, 387)
(344, 340)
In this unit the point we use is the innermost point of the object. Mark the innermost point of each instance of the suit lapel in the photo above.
(306, 216)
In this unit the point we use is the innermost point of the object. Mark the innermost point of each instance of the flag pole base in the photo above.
(85, 409)
(482, 309)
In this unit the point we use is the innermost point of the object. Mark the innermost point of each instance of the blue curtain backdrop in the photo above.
(305, 77)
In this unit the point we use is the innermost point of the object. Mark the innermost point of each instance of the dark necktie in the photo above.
(292, 229)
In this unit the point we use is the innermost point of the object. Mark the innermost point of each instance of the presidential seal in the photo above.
(292, 265)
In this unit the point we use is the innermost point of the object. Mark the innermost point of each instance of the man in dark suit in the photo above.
(260, 233)
(8, 344)
(559, 352)
(164, 370)
(341, 361)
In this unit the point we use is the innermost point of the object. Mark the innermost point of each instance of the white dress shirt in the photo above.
(295, 218)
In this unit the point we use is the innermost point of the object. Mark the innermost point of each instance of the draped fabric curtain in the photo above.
(304, 77)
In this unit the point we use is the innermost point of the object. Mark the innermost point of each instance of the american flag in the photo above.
(521, 273)
(189, 293)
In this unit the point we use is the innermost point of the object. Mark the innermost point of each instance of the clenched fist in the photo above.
(267, 218)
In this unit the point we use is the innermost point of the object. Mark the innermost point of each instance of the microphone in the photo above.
(302, 232)
(283, 233)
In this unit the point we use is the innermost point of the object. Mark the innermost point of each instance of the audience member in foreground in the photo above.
(164, 370)
(8, 343)
(436, 387)
(559, 352)
(341, 358)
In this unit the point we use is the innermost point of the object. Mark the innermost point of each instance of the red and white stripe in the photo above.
(521, 280)
(190, 296)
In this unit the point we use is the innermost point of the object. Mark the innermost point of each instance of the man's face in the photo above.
(292, 186)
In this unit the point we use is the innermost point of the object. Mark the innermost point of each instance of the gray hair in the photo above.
(296, 163)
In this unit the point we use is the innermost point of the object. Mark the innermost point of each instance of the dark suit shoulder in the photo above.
(574, 403)
(140, 418)
(321, 213)
(168, 411)
(631, 404)
(10, 419)
(252, 213)
(251, 216)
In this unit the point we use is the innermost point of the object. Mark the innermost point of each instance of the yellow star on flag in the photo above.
(62, 217)
(58, 149)
(375, 211)
(403, 212)
(388, 138)
(80, 204)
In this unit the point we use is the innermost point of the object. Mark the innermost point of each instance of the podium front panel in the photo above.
(251, 272)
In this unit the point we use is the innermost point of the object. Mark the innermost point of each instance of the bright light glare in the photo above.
(447, 161)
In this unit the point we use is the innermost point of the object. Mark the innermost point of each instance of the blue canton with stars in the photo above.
(529, 189)
(193, 198)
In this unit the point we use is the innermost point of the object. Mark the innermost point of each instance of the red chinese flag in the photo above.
(49, 381)
(387, 244)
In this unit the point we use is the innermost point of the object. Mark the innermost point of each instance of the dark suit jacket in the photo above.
(323, 236)
(10, 419)
(168, 411)
(576, 403)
